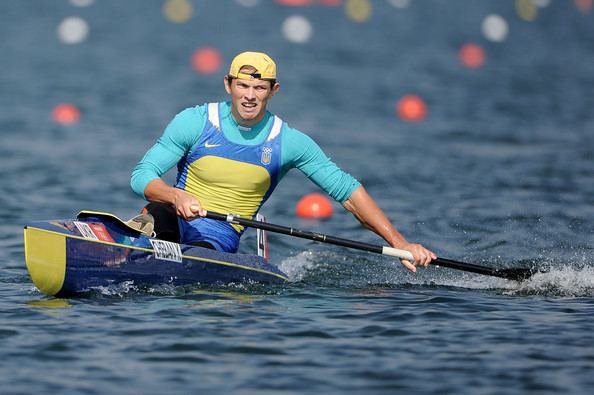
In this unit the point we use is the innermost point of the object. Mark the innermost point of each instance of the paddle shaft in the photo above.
(512, 274)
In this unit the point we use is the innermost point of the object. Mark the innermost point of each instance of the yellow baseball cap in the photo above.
(264, 65)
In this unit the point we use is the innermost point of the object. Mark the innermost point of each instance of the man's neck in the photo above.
(247, 124)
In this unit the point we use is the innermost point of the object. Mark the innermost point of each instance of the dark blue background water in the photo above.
(500, 173)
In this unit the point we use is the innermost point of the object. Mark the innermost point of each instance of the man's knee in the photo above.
(166, 225)
(203, 244)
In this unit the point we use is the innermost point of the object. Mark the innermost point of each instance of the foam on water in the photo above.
(566, 280)
(129, 288)
(297, 267)
(116, 289)
(331, 269)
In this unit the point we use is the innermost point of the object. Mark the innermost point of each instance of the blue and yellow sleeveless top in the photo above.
(228, 177)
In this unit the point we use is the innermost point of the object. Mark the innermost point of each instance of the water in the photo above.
(500, 173)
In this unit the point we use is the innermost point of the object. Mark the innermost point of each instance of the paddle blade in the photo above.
(516, 274)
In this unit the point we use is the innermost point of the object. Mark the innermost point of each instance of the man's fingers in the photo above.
(422, 260)
(409, 265)
(197, 210)
(188, 212)
(423, 256)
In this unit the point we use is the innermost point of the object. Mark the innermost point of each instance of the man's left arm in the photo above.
(302, 152)
(365, 209)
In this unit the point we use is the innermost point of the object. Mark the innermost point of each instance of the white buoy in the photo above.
(73, 30)
(297, 29)
(81, 3)
(494, 28)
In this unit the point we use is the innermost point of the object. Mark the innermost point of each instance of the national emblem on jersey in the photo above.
(266, 155)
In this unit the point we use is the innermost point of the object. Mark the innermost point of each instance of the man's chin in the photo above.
(247, 117)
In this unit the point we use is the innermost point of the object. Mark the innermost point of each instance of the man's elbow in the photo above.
(138, 185)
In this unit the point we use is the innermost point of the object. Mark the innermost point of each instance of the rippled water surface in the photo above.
(501, 173)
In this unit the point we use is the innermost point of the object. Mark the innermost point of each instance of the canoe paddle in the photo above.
(517, 274)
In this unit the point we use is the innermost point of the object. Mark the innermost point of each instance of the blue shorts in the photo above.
(220, 234)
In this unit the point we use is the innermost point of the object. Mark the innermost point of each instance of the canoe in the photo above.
(72, 256)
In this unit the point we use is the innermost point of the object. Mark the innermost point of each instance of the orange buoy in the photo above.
(314, 205)
(472, 55)
(411, 108)
(294, 3)
(66, 114)
(207, 60)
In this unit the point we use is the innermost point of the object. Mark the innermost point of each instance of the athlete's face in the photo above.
(249, 99)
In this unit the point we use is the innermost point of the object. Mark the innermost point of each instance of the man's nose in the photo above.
(250, 94)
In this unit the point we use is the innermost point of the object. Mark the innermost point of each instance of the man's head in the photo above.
(251, 82)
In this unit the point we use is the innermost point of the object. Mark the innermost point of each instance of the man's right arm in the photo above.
(179, 137)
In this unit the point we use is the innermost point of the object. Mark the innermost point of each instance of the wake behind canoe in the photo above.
(70, 256)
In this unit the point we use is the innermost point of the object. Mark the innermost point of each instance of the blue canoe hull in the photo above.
(68, 257)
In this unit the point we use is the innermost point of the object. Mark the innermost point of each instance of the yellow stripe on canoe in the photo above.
(45, 256)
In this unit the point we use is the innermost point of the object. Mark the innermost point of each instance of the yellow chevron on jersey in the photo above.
(228, 186)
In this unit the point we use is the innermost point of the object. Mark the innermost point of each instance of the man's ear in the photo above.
(227, 84)
(275, 89)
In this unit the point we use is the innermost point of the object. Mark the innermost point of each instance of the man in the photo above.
(231, 155)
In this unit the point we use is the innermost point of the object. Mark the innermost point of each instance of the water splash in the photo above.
(567, 280)
(129, 288)
(340, 270)
(297, 267)
(116, 289)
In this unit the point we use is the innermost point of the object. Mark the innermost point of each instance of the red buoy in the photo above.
(66, 114)
(472, 56)
(207, 60)
(294, 3)
(411, 108)
(314, 205)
